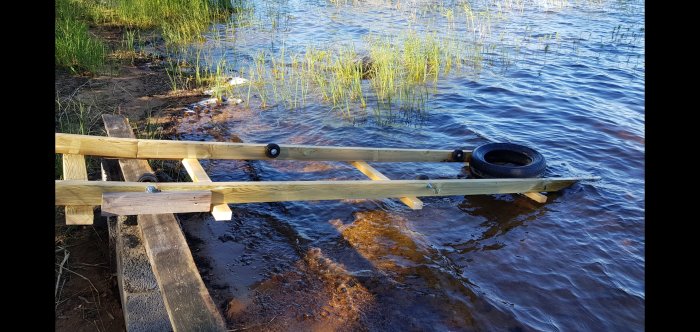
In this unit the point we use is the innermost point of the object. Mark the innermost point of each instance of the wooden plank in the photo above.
(372, 173)
(96, 145)
(187, 300)
(162, 149)
(220, 211)
(74, 169)
(537, 197)
(130, 203)
(74, 192)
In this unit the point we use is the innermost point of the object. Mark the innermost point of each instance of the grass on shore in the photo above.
(76, 49)
(178, 21)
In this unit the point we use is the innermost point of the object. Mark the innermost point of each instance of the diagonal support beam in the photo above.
(537, 197)
(412, 202)
(74, 169)
(194, 168)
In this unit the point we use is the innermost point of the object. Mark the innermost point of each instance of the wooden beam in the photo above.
(74, 192)
(130, 203)
(162, 149)
(535, 196)
(96, 145)
(220, 211)
(372, 173)
(74, 169)
(187, 300)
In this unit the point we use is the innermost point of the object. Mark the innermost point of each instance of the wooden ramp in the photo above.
(187, 301)
(183, 295)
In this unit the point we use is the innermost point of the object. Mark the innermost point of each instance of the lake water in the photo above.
(567, 80)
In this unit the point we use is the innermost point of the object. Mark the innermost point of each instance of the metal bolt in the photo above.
(152, 189)
(430, 186)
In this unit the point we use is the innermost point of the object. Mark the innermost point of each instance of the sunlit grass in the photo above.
(76, 49)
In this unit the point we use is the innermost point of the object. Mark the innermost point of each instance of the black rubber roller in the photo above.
(148, 177)
(272, 150)
(458, 155)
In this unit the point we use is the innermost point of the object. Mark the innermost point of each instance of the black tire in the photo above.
(506, 160)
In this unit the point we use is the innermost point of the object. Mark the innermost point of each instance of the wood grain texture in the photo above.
(74, 169)
(74, 192)
(372, 173)
(187, 300)
(96, 145)
(127, 147)
(194, 168)
(130, 203)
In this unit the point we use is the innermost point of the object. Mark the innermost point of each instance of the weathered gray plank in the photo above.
(129, 204)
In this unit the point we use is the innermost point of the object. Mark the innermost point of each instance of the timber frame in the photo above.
(80, 195)
(184, 296)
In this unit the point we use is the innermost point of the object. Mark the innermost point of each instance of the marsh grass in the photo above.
(74, 117)
(76, 49)
(178, 21)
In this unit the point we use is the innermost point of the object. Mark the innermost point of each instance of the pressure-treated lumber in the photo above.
(129, 203)
(74, 192)
(187, 300)
(537, 197)
(74, 169)
(198, 174)
(97, 145)
(162, 149)
(372, 173)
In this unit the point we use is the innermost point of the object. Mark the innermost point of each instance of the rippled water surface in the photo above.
(499, 262)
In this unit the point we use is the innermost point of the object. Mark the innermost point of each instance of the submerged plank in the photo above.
(74, 192)
(372, 173)
(220, 211)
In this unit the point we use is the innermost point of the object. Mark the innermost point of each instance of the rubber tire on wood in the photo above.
(487, 161)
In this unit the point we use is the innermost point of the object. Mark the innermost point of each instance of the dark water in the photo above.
(470, 262)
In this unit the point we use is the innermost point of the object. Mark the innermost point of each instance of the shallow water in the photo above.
(461, 263)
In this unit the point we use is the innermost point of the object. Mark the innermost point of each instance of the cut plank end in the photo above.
(537, 197)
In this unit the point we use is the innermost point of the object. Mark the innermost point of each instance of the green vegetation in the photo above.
(178, 21)
(73, 117)
(76, 49)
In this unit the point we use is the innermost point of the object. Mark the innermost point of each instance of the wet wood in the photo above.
(74, 192)
(162, 149)
(187, 300)
(130, 203)
(198, 174)
(74, 169)
(372, 173)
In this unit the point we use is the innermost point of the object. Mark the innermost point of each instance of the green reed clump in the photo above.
(75, 48)
(180, 21)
